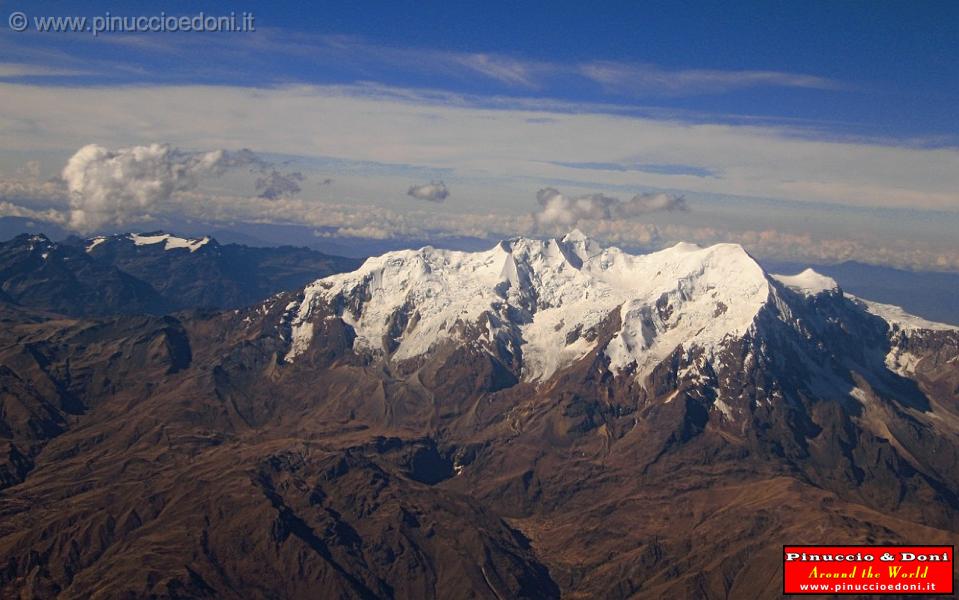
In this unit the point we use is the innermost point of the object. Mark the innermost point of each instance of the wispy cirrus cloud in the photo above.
(663, 169)
(645, 80)
(503, 69)
(364, 60)
(16, 70)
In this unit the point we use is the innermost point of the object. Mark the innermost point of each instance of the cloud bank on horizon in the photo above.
(103, 190)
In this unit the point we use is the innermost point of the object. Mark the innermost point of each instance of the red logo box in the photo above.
(868, 570)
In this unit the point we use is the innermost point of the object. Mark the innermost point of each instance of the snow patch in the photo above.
(902, 363)
(900, 319)
(91, 244)
(860, 394)
(172, 242)
(724, 408)
(301, 336)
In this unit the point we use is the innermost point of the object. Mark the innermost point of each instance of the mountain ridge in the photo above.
(570, 285)
(153, 273)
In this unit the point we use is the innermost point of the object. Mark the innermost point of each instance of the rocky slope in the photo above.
(545, 418)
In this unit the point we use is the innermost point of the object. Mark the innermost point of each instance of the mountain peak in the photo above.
(808, 282)
(32, 238)
(576, 235)
(544, 300)
(687, 247)
(35, 242)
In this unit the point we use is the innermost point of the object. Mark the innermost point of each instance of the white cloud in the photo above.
(557, 209)
(434, 191)
(642, 204)
(31, 191)
(116, 187)
(127, 185)
(368, 232)
(35, 70)
(500, 68)
(650, 80)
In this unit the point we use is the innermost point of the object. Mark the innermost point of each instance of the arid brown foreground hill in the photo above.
(190, 456)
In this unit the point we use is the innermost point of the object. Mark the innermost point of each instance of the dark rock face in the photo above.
(187, 458)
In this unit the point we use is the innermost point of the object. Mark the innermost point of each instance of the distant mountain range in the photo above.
(539, 419)
(153, 273)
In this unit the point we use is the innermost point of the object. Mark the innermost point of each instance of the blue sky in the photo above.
(770, 118)
(887, 68)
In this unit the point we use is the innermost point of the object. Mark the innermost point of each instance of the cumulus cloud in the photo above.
(434, 191)
(275, 184)
(117, 187)
(559, 210)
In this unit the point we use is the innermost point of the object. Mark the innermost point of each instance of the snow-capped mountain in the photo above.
(541, 303)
